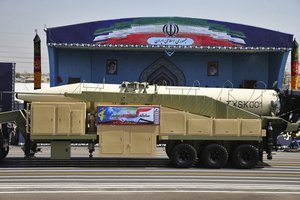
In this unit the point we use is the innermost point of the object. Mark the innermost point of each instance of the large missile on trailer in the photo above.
(257, 101)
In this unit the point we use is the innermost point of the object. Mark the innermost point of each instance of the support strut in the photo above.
(269, 141)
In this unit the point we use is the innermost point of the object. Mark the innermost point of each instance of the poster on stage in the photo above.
(128, 115)
(212, 68)
(111, 66)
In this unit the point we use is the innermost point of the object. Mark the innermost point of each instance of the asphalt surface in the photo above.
(277, 179)
(149, 195)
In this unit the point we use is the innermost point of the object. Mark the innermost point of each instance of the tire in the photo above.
(214, 156)
(183, 155)
(3, 153)
(245, 156)
(169, 148)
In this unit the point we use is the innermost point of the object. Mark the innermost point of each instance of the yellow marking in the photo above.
(285, 164)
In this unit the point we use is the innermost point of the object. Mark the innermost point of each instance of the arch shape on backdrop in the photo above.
(163, 71)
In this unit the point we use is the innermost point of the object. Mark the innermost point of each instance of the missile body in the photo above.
(258, 101)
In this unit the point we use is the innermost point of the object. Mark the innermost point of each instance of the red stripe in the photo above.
(141, 39)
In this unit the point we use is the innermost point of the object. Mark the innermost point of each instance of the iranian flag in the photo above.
(153, 34)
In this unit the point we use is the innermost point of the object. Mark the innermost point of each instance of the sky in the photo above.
(20, 18)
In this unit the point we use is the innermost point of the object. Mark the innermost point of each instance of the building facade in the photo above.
(168, 51)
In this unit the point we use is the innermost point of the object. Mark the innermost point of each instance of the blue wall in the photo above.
(250, 67)
(90, 65)
(277, 73)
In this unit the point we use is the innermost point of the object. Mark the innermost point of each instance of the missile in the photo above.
(263, 102)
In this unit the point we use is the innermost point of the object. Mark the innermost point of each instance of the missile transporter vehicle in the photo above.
(213, 126)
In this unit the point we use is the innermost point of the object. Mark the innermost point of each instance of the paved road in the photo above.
(279, 180)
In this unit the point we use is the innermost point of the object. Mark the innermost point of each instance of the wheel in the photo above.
(214, 156)
(3, 153)
(183, 155)
(245, 156)
(169, 148)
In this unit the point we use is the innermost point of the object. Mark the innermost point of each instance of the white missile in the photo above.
(258, 101)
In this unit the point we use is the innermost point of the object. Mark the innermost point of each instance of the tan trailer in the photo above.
(129, 120)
